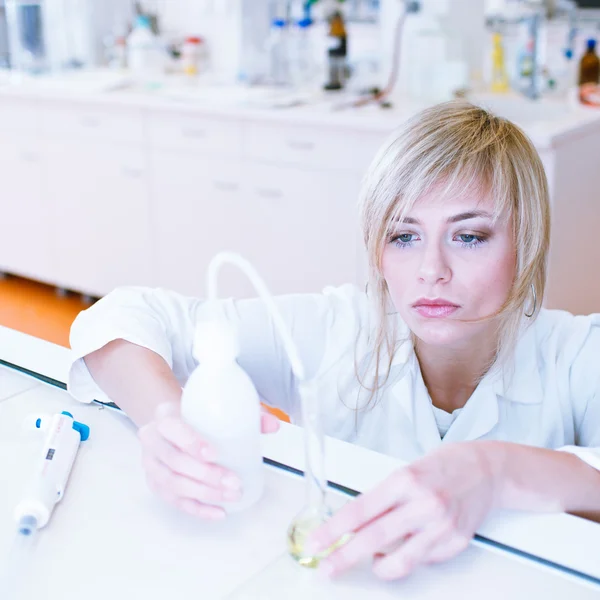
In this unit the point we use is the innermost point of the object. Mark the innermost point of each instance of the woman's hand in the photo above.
(180, 466)
(424, 513)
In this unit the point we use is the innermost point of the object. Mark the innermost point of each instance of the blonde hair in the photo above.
(457, 145)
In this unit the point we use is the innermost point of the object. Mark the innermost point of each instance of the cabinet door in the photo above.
(198, 209)
(306, 225)
(24, 242)
(100, 215)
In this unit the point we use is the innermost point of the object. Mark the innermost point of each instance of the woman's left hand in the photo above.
(424, 513)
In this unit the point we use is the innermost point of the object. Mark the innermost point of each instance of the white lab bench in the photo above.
(109, 537)
(101, 189)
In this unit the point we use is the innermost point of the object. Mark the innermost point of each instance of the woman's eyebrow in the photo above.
(472, 214)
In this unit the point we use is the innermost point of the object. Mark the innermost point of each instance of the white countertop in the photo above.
(111, 537)
(548, 122)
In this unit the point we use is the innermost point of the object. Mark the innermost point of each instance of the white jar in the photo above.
(220, 402)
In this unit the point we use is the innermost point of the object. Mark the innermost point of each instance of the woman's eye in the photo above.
(467, 238)
(470, 240)
(404, 240)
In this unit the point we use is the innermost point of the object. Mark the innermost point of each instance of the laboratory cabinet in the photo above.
(97, 196)
(296, 225)
(100, 191)
(100, 216)
(25, 236)
(198, 209)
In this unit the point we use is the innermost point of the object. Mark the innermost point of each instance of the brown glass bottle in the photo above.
(337, 52)
(589, 66)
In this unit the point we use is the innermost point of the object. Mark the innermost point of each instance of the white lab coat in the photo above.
(548, 396)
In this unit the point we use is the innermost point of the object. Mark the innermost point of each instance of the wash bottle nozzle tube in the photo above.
(316, 510)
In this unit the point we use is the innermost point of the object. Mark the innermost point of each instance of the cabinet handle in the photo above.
(194, 134)
(297, 145)
(271, 194)
(226, 186)
(131, 172)
(91, 122)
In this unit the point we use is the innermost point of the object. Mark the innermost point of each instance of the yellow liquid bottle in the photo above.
(499, 77)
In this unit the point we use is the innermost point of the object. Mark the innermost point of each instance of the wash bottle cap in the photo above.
(215, 341)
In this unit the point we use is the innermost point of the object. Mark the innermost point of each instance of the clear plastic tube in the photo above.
(316, 510)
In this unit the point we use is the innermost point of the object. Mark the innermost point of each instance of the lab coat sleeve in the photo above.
(152, 318)
(585, 395)
(164, 322)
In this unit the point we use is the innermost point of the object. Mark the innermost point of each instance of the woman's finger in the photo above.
(184, 437)
(448, 547)
(182, 487)
(191, 507)
(269, 423)
(381, 533)
(184, 464)
(203, 511)
(413, 553)
(356, 514)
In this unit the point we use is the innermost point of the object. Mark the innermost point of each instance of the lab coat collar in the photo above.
(478, 417)
(521, 380)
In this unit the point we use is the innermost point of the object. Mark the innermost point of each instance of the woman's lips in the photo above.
(435, 310)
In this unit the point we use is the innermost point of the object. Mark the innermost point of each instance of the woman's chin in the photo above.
(440, 332)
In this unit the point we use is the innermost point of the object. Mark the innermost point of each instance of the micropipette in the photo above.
(63, 437)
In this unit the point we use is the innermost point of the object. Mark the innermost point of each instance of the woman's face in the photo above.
(447, 262)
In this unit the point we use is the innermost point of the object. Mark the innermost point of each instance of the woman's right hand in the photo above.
(180, 466)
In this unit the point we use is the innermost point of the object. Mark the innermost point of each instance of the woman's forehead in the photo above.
(450, 200)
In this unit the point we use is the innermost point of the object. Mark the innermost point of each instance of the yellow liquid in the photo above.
(298, 533)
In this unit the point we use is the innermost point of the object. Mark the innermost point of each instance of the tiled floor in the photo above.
(36, 309)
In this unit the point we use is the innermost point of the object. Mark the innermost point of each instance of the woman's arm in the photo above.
(537, 479)
(429, 511)
(133, 335)
(137, 379)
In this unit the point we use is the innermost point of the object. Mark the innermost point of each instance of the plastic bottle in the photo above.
(116, 52)
(278, 50)
(221, 403)
(499, 76)
(145, 58)
(192, 55)
(566, 75)
(301, 53)
(589, 66)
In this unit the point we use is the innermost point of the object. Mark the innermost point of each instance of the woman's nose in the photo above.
(434, 267)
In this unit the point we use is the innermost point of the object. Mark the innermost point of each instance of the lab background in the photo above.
(138, 140)
(135, 148)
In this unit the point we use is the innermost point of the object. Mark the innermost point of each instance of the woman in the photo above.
(447, 361)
